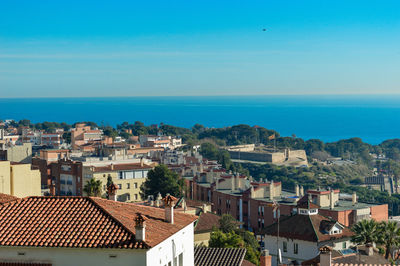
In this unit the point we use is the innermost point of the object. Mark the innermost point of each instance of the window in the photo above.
(181, 259)
(295, 248)
(128, 185)
(344, 245)
(104, 187)
(128, 197)
(262, 223)
(135, 185)
(284, 245)
(136, 196)
(119, 186)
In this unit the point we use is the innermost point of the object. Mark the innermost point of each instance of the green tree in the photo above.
(227, 223)
(366, 232)
(228, 226)
(389, 236)
(162, 180)
(219, 239)
(93, 188)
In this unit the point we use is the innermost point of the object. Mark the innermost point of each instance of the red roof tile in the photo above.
(82, 222)
(206, 222)
(4, 198)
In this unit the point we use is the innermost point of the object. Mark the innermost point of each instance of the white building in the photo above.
(303, 234)
(93, 231)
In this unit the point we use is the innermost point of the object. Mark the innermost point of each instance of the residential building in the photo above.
(299, 237)
(21, 153)
(93, 231)
(41, 138)
(19, 180)
(66, 177)
(251, 202)
(166, 142)
(83, 134)
(127, 176)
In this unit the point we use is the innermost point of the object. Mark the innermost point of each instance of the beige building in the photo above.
(19, 179)
(16, 153)
(128, 177)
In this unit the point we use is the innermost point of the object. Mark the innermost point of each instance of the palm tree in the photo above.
(366, 232)
(390, 236)
(93, 188)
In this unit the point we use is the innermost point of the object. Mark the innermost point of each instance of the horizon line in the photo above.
(195, 95)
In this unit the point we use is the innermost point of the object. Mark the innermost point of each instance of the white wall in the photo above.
(306, 250)
(181, 242)
(74, 256)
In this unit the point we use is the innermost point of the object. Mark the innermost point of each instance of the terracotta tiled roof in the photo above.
(206, 222)
(82, 222)
(4, 198)
(247, 263)
(218, 256)
(310, 229)
(354, 259)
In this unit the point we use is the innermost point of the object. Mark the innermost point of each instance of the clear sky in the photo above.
(205, 47)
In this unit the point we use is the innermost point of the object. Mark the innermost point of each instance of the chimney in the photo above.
(369, 249)
(112, 192)
(169, 208)
(217, 183)
(265, 258)
(158, 200)
(271, 190)
(325, 256)
(301, 191)
(237, 181)
(332, 202)
(354, 198)
(297, 190)
(252, 193)
(112, 166)
(140, 227)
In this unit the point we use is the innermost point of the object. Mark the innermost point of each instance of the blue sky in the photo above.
(153, 48)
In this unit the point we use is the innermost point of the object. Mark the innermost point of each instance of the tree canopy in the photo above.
(162, 180)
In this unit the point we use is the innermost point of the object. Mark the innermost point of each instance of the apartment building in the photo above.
(19, 180)
(166, 142)
(41, 138)
(82, 134)
(127, 176)
(253, 202)
(21, 153)
(66, 177)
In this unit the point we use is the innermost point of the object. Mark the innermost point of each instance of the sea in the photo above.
(330, 118)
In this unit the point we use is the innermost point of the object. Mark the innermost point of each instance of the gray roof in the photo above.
(218, 256)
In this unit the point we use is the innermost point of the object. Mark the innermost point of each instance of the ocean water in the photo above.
(329, 118)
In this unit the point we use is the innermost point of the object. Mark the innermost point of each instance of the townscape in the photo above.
(163, 195)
